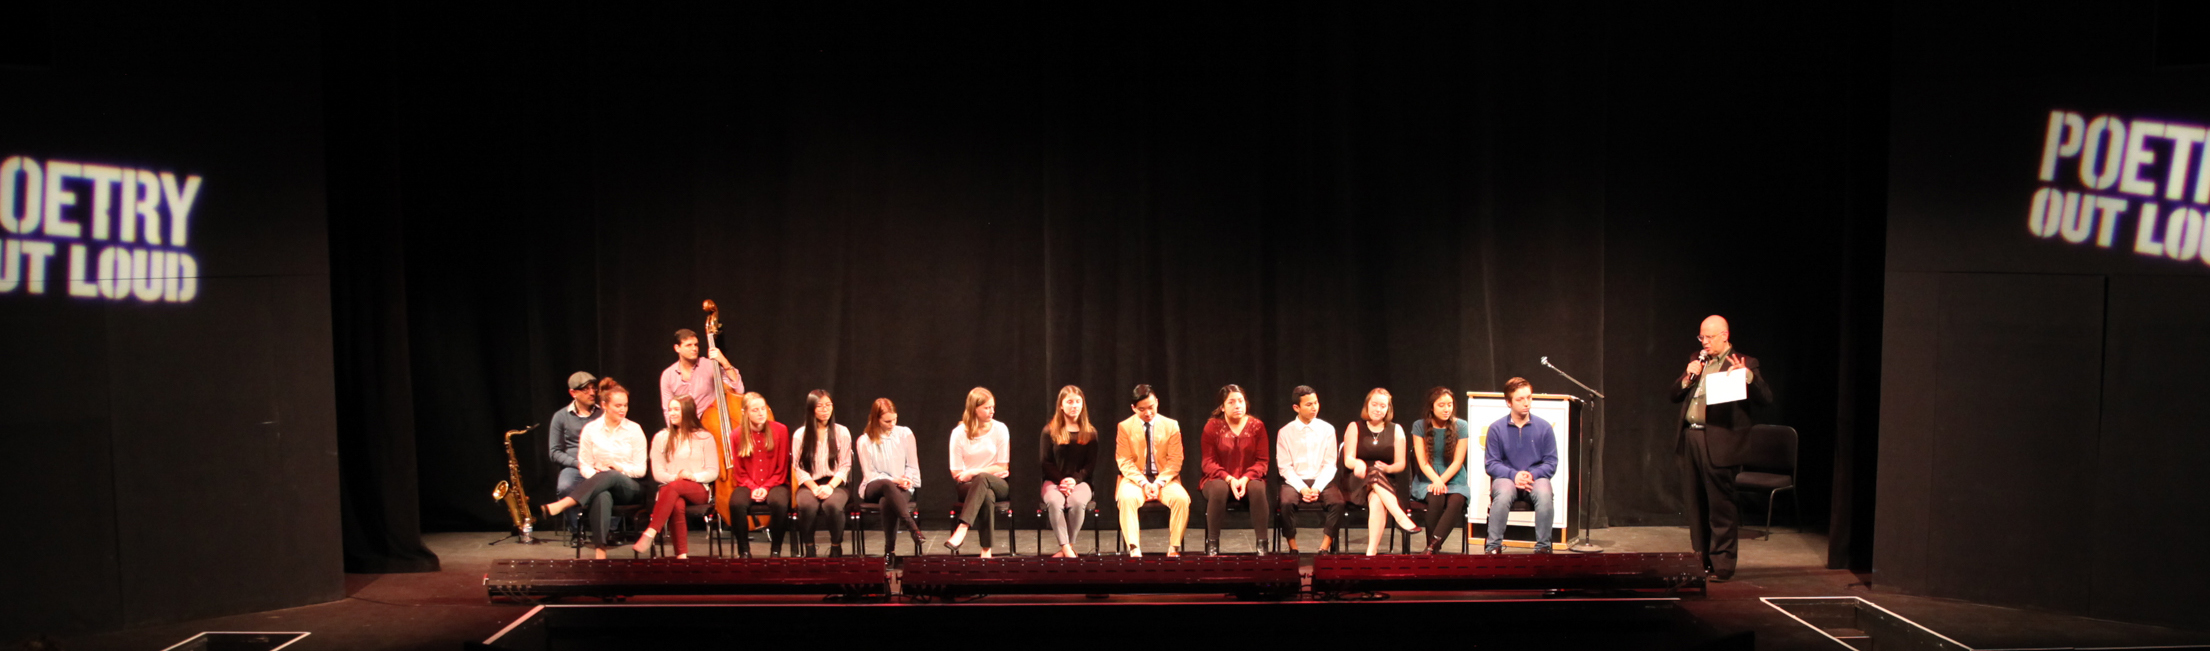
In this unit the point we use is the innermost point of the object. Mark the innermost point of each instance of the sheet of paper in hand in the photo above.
(1722, 388)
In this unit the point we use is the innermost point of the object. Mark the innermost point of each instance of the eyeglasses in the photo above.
(1701, 339)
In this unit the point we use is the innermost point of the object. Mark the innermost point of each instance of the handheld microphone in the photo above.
(1702, 356)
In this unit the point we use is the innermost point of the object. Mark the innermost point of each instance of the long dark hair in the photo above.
(679, 432)
(804, 453)
(1450, 432)
(1220, 409)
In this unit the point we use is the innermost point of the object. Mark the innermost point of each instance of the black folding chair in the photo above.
(1770, 467)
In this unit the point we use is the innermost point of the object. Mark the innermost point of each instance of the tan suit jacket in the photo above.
(1129, 451)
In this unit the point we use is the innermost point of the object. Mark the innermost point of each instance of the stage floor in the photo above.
(442, 610)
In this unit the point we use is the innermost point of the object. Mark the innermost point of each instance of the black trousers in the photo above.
(980, 494)
(1331, 498)
(811, 509)
(599, 494)
(1714, 522)
(896, 505)
(1445, 513)
(1217, 494)
(778, 500)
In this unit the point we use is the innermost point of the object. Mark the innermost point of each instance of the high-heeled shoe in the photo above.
(644, 542)
(920, 542)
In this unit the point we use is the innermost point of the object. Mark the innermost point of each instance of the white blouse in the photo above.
(971, 454)
(623, 448)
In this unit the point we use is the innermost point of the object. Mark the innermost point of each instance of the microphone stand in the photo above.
(1585, 451)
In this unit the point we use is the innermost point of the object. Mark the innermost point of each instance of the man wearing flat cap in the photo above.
(567, 428)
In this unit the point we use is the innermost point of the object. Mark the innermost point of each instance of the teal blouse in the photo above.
(1439, 455)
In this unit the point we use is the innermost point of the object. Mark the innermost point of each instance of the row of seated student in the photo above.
(808, 475)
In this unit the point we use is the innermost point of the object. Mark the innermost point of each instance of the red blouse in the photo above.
(766, 468)
(1244, 454)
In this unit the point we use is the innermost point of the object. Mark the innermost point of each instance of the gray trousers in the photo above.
(1067, 511)
(600, 493)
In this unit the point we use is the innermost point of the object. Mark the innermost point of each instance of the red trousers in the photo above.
(674, 496)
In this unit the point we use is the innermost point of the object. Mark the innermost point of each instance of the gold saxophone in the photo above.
(510, 491)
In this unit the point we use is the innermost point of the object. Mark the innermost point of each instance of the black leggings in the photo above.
(1445, 513)
(981, 493)
(894, 500)
(778, 501)
(832, 509)
(1217, 494)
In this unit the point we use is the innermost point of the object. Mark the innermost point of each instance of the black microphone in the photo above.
(1702, 356)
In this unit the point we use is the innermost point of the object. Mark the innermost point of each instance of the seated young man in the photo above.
(1522, 456)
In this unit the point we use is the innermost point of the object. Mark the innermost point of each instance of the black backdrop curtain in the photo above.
(910, 204)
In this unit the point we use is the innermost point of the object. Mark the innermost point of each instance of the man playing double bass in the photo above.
(692, 376)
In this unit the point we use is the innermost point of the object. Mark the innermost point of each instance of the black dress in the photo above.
(1376, 449)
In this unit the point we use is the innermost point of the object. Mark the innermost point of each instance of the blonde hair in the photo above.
(744, 443)
(976, 398)
(1057, 428)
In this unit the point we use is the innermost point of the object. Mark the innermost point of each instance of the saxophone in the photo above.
(510, 491)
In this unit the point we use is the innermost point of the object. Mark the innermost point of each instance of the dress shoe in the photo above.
(836, 551)
(811, 551)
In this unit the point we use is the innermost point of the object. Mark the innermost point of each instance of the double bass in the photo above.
(716, 419)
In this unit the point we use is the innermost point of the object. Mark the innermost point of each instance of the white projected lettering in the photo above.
(119, 232)
(2129, 176)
